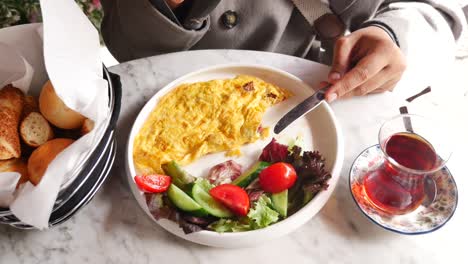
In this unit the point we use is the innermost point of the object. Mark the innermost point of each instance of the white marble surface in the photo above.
(112, 228)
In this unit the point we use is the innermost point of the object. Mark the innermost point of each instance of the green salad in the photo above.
(230, 199)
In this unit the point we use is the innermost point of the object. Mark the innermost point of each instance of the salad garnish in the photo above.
(281, 182)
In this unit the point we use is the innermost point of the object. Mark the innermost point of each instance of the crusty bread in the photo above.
(30, 105)
(87, 126)
(12, 98)
(15, 165)
(43, 155)
(9, 139)
(56, 112)
(35, 130)
(11, 106)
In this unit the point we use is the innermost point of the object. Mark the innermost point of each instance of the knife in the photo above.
(301, 109)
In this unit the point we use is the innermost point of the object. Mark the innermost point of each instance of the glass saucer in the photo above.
(428, 217)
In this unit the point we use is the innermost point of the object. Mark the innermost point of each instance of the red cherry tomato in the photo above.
(277, 177)
(233, 197)
(153, 183)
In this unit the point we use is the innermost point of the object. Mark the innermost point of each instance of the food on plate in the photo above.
(248, 176)
(15, 165)
(195, 119)
(281, 182)
(233, 197)
(201, 194)
(224, 172)
(280, 202)
(154, 183)
(11, 106)
(35, 130)
(180, 177)
(277, 177)
(55, 110)
(87, 126)
(43, 155)
(183, 201)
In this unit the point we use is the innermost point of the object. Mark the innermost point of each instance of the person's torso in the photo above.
(264, 25)
(271, 25)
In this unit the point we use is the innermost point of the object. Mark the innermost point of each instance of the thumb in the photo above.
(341, 58)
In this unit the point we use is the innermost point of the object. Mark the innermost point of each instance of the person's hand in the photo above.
(365, 61)
(173, 4)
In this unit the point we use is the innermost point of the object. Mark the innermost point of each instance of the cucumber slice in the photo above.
(280, 202)
(208, 203)
(182, 201)
(180, 178)
(250, 175)
(307, 197)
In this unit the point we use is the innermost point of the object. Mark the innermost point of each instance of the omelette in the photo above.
(199, 118)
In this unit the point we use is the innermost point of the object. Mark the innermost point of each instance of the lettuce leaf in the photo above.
(262, 214)
(274, 152)
(230, 225)
(204, 184)
(224, 172)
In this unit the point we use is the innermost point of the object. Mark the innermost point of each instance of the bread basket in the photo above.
(89, 174)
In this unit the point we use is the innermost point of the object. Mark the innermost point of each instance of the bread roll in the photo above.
(43, 155)
(35, 130)
(56, 112)
(15, 165)
(11, 106)
(88, 125)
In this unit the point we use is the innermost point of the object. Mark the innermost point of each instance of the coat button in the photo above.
(229, 19)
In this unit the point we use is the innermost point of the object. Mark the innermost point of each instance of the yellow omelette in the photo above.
(199, 118)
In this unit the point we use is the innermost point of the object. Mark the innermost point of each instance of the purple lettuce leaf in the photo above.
(189, 227)
(311, 177)
(158, 208)
(224, 172)
(274, 152)
(254, 195)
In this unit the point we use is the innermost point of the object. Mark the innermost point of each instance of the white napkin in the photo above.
(71, 57)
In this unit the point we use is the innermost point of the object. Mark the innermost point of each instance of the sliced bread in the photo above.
(35, 130)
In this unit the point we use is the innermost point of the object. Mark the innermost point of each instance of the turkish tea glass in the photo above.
(414, 147)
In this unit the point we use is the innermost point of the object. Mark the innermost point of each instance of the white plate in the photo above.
(319, 130)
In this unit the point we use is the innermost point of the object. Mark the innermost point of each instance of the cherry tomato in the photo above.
(233, 197)
(277, 177)
(153, 183)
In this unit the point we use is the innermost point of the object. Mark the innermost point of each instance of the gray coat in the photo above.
(134, 29)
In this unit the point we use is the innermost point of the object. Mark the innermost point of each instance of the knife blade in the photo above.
(301, 109)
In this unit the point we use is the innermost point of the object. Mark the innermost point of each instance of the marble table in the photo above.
(113, 229)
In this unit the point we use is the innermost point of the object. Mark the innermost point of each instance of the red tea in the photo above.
(397, 190)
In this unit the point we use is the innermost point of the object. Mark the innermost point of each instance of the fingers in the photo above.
(341, 58)
(366, 61)
(378, 86)
(372, 84)
(388, 86)
(367, 68)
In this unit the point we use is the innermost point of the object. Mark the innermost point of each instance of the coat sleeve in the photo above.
(426, 32)
(133, 29)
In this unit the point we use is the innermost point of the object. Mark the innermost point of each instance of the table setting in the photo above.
(391, 186)
(114, 222)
